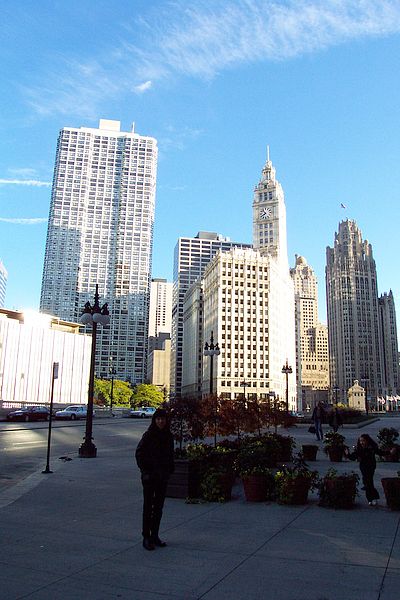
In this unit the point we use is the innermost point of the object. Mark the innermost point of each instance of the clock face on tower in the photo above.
(266, 213)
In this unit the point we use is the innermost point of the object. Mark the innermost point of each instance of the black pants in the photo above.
(154, 490)
(368, 481)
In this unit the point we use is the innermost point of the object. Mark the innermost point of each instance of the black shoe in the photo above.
(148, 544)
(157, 542)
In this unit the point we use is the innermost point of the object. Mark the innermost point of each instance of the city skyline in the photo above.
(326, 103)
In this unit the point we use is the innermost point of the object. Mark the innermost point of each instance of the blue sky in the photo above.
(214, 81)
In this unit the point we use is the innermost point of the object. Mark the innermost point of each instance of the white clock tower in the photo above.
(269, 216)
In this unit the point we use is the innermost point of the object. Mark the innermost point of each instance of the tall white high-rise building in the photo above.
(355, 336)
(192, 255)
(3, 284)
(101, 232)
(311, 337)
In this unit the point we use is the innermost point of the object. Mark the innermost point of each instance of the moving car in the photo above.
(72, 412)
(32, 413)
(144, 412)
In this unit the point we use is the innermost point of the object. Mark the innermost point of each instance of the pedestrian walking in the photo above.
(335, 420)
(155, 459)
(317, 417)
(365, 451)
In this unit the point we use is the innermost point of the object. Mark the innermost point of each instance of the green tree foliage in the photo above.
(146, 394)
(122, 392)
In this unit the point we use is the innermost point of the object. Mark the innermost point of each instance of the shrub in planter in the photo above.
(334, 445)
(387, 437)
(252, 464)
(391, 488)
(190, 465)
(294, 483)
(338, 490)
(309, 452)
(216, 485)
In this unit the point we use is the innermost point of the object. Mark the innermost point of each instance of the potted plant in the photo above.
(338, 490)
(391, 488)
(294, 483)
(334, 445)
(387, 437)
(309, 452)
(190, 464)
(253, 466)
(216, 485)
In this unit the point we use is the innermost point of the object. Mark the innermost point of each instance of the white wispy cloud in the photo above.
(22, 221)
(143, 87)
(31, 182)
(201, 39)
(22, 172)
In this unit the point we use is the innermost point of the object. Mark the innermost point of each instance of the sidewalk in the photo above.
(75, 535)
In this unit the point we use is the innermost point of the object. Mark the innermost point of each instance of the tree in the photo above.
(146, 394)
(122, 392)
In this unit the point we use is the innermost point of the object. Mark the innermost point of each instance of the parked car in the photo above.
(144, 412)
(72, 413)
(32, 413)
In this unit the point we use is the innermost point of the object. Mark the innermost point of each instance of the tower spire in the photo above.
(267, 153)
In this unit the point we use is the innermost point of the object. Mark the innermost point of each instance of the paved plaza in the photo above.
(75, 535)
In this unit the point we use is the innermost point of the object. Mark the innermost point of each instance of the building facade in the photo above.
(312, 356)
(191, 257)
(387, 312)
(355, 336)
(101, 232)
(3, 284)
(160, 308)
(29, 345)
(251, 314)
(245, 300)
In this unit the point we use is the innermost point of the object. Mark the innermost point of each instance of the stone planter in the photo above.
(335, 454)
(294, 491)
(309, 452)
(185, 481)
(255, 488)
(391, 487)
(338, 492)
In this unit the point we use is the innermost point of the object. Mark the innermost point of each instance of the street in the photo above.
(24, 445)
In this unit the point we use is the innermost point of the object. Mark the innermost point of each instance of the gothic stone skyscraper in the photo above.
(355, 340)
(101, 231)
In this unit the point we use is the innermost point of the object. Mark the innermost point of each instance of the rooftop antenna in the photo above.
(267, 153)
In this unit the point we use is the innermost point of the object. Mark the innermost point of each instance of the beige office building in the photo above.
(312, 358)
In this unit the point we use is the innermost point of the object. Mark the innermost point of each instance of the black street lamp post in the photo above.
(287, 370)
(211, 350)
(92, 315)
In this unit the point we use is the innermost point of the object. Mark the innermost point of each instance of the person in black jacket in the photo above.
(155, 459)
(318, 415)
(365, 452)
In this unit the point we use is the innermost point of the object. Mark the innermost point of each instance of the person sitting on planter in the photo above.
(365, 452)
(317, 417)
(155, 459)
(335, 420)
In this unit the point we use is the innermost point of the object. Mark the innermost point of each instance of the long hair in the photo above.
(160, 412)
(370, 442)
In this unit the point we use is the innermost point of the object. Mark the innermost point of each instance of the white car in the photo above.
(72, 413)
(143, 412)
